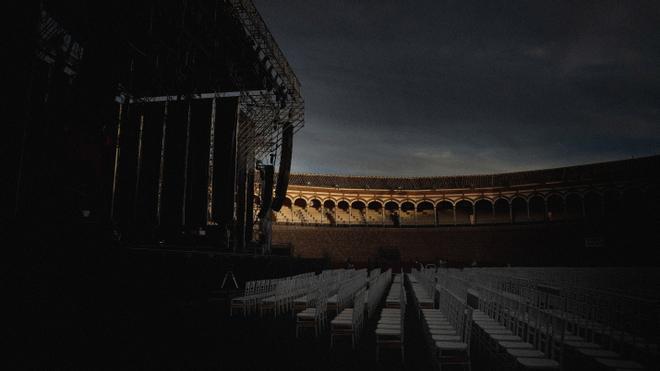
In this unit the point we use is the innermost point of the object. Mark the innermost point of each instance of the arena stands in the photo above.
(578, 215)
(587, 192)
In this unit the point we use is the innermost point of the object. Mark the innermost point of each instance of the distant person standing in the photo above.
(395, 219)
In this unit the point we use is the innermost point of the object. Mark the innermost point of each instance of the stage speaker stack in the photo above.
(285, 167)
(267, 174)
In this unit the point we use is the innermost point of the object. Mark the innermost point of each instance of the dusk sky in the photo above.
(462, 87)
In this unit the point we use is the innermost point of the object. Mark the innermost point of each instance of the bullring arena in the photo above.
(532, 217)
(156, 223)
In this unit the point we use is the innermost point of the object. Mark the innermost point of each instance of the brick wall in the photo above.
(546, 244)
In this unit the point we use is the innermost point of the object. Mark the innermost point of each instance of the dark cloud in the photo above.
(457, 87)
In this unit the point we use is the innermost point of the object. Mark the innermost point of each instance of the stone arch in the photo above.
(329, 206)
(445, 211)
(375, 201)
(574, 206)
(357, 211)
(358, 204)
(315, 211)
(519, 209)
(375, 205)
(424, 205)
(286, 211)
(464, 212)
(299, 210)
(555, 205)
(425, 213)
(537, 208)
(407, 205)
(374, 212)
(407, 212)
(483, 211)
(392, 213)
(342, 212)
(300, 202)
(502, 211)
(391, 205)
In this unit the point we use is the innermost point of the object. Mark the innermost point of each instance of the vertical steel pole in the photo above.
(162, 166)
(209, 195)
(185, 165)
(138, 166)
(116, 164)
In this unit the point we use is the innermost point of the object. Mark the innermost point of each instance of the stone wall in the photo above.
(545, 244)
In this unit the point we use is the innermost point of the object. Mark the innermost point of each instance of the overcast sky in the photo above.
(462, 87)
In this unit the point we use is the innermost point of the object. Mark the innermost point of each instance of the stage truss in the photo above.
(265, 114)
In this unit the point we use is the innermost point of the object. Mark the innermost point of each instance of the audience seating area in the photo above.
(350, 321)
(390, 329)
(446, 328)
(541, 318)
(346, 296)
(474, 318)
(338, 216)
(274, 295)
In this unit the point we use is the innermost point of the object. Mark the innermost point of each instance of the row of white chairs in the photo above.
(637, 282)
(346, 290)
(535, 324)
(376, 291)
(447, 329)
(350, 321)
(390, 327)
(278, 295)
(423, 287)
(281, 300)
(314, 317)
(328, 280)
(599, 323)
(313, 306)
(255, 291)
(515, 334)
